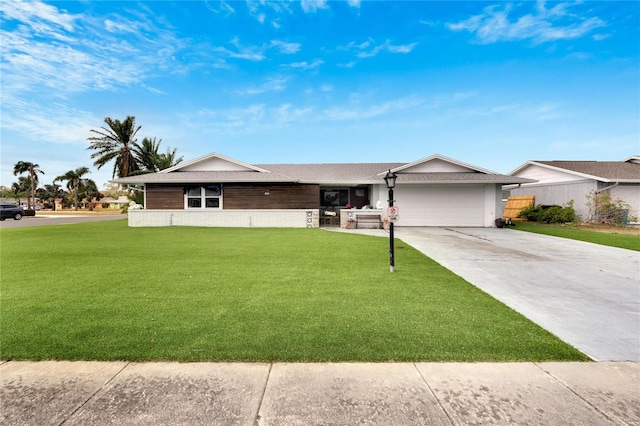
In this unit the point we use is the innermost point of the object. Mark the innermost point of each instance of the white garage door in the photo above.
(440, 205)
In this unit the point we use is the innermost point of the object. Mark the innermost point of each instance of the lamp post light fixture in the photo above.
(390, 180)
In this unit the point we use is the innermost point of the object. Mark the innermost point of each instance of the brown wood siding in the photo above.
(161, 197)
(241, 196)
(281, 196)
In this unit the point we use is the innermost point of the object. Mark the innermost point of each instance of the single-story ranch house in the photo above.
(558, 182)
(215, 190)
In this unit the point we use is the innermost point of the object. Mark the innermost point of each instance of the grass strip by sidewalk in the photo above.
(104, 291)
(625, 241)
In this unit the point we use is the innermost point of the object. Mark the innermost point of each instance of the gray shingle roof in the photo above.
(206, 176)
(608, 170)
(333, 172)
(329, 173)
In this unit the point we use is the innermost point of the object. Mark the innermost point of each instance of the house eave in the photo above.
(203, 180)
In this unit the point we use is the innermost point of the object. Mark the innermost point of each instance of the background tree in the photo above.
(117, 142)
(50, 193)
(168, 159)
(88, 190)
(151, 160)
(20, 188)
(74, 180)
(147, 154)
(113, 190)
(33, 170)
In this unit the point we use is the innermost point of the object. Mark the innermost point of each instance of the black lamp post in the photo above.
(390, 180)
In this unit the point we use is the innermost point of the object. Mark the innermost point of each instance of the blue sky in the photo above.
(493, 84)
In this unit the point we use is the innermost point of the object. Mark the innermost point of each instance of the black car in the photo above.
(11, 211)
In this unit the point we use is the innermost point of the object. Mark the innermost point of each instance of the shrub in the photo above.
(138, 197)
(549, 214)
(531, 213)
(603, 209)
(567, 213)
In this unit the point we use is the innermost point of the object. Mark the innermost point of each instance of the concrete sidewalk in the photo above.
(121, 393)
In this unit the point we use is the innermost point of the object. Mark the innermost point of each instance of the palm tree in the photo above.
(168, 160)
(116, 142)
(20, 188)
(74, 181)
(33, 170)
(147, 154)
(89, 190)
(50, 193)
(151, 160)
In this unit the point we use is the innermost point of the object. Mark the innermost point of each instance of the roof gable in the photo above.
(603, 171)
(439, 164)
(214, 162)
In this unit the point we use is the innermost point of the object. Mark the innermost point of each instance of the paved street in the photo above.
(42, 219)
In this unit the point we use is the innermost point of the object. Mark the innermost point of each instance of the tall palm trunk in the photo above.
(76, 185)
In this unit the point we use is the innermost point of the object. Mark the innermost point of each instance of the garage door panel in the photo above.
(424, 205)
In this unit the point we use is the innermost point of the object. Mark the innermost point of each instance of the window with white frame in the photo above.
(203, 197)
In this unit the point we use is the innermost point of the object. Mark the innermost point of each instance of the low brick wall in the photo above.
(226, 218)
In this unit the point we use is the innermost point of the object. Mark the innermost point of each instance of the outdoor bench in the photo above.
(370, 219)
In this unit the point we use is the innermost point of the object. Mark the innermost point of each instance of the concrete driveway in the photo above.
(586, 294)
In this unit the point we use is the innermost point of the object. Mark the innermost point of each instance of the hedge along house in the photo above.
(215, 190)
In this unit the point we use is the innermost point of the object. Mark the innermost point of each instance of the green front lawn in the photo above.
(104, 291)
(612, 238)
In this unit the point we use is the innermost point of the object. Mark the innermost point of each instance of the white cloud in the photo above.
(37, 15)
(286, 47)
(268, 11)
(250, 53)
(219, 6)
(600, 37)
(285, 114)
(544, 25)
(271, 85)
(312, 6)
(50, 56)
(354, 3)
(357, 112)
(428, 23)
(257, 53)
(368, 49)
(244, 117)
(153, 90)
(31, 62)
(542, 112)
(55, 123)
(253, 118)
(406, 48)
(306, 65)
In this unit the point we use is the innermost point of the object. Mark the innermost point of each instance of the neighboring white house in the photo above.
(559, 182)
